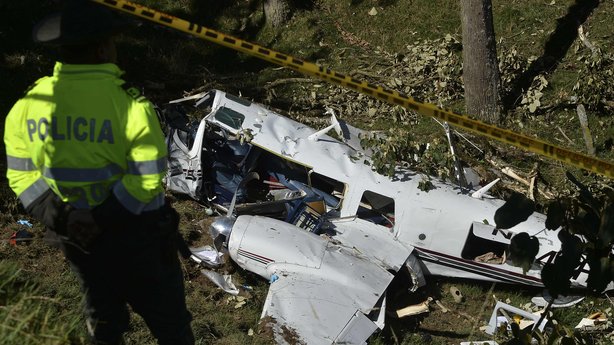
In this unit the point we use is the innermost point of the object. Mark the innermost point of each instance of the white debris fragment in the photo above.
(206, 255)
(496, 320)
(559, 302)
(289, 147)
(456, 294)
(596, 321)
(224, 282)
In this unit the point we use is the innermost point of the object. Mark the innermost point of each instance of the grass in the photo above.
(30, 316)
(37, 285)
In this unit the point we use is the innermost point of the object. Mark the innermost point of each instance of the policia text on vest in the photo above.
(67, 128)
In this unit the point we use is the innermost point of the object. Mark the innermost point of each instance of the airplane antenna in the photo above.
(334, 124)
(479, 194)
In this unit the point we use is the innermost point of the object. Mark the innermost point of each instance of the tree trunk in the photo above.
(480, 66)
(276, 12)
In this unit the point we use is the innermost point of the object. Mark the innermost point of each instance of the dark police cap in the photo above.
(79, 22)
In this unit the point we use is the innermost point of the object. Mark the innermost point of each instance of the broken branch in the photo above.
(511, 173)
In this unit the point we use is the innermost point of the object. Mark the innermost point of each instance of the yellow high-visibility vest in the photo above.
(80, 133)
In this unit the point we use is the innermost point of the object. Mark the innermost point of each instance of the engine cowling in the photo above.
(256, 242)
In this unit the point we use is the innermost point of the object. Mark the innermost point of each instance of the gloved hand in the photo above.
(81, 228)
(50, 210)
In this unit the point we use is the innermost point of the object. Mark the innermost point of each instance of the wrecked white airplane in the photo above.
(330, 234)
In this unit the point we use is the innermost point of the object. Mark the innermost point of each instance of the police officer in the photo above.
(86, 157)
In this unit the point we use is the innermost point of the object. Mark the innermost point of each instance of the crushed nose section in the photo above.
(220, 230)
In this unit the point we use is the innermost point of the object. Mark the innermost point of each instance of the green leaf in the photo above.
(516, 210)
(523, 249)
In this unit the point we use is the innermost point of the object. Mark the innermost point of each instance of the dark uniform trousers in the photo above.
(133, 261)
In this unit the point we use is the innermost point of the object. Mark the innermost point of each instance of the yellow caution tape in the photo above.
(390, 96)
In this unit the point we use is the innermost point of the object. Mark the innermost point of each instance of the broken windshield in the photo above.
(229, 117)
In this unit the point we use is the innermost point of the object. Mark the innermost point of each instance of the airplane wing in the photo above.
(325, 305)
(323, 291)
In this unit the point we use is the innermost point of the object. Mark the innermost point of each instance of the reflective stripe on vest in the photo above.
(85, 196)
(32, 193)
(147, 167)
(83, 174)
(134, 205)
(20, 164)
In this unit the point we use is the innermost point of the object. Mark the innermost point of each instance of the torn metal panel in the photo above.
(317, 308)
(184, 164)
(416, 273)
(357, 330)
(370, 240)
(224, 282)
(207, 256)
(320, 286)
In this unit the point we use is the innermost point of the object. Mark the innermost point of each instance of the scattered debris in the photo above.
(20, 237)
(206, 255)
(523, 318)
(241, 301)
(415, 309)
(24, 222)
(456, 294)
(441, 306)
(559, 302)
(224, 282)
(594, 322)
(491, 258)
